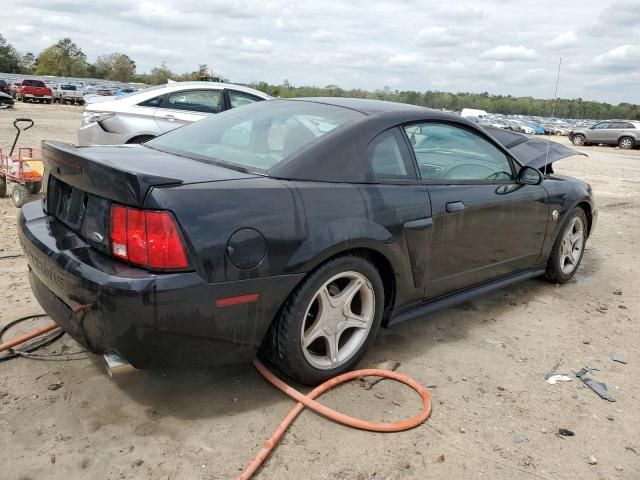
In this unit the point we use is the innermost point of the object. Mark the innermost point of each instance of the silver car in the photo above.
(143, 115)
(623, 133)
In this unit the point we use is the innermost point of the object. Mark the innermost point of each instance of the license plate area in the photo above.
(66, 203)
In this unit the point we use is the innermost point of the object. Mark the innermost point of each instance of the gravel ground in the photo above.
(494, 416)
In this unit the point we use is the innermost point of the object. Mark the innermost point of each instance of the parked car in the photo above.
(143, 115)
(67, 93)
(623, 133)
(536, 127)
(6, 101)
(33, 90)
(5, 87)
(555, 129)
(292, 227)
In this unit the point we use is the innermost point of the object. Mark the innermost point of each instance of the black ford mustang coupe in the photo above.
(293, 228)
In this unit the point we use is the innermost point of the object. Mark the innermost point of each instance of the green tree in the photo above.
(64, 59)
(9, 58)
(27, 63)
(160, 75)
(114, 66)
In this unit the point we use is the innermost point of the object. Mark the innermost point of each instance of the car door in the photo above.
(485, 224)
(613, 132)
(598, 133)
(187, 106)
(238, 99)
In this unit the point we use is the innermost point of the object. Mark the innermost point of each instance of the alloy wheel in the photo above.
(337, 320)
(626, 143)
(572, 245)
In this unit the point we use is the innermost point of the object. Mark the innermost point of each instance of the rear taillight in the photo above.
(147, 238)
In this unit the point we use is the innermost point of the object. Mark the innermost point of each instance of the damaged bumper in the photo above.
(148, 319)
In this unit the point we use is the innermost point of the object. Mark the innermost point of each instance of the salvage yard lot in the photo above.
(493, 417)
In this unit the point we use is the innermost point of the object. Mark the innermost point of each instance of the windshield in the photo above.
(256, 137)
(67, 87)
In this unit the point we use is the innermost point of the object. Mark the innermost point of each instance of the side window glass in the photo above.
(205, 101)
(446, 152)
(599, 126)
(386, 158)
(152, 102)
(238, 99)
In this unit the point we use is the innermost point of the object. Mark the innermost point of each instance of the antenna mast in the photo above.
(553, 112)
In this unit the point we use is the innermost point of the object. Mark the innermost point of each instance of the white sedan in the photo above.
(143, 115)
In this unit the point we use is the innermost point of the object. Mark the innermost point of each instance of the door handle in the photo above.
(171, 118)
(455, 207)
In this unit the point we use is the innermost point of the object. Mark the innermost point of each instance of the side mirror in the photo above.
(530, 176)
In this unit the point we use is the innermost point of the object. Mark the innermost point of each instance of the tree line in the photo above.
(66, 59)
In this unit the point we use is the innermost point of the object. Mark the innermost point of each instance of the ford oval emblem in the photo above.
(97, 237)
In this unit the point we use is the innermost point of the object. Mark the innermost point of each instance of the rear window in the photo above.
(256, 137)
(33, 83)
(68, 87)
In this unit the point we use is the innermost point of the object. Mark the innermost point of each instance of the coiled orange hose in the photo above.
(308, 401)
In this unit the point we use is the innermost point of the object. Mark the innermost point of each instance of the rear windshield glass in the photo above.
(67, 87)
(256, 137)
(33, 83)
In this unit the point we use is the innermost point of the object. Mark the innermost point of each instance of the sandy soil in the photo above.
(494, 416)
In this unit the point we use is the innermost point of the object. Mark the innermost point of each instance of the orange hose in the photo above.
(308, 401)
(27, 336)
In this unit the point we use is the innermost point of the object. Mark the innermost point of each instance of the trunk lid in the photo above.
(82, 182)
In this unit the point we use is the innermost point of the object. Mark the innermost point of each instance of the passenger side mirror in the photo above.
(530, 176)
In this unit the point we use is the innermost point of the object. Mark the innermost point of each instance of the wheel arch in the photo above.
(588, 211)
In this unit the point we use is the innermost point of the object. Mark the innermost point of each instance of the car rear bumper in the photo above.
(94, 134)
(31, 95)
(149, 319)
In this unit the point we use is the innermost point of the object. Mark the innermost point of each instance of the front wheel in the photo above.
(19, 195)
(568, 248)
(329, 321)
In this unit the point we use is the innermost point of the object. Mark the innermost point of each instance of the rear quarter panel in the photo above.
(303, 224)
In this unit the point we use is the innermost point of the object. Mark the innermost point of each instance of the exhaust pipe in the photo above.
(116, 365)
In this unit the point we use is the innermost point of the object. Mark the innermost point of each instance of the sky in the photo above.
(499, 46)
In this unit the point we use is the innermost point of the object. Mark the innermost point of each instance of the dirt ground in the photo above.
(494, 416)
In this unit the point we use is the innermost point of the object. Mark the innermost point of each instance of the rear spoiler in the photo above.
(101, 172)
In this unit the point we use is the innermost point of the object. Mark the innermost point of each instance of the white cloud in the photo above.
(509, 53)
(622, 56)
(260, 45)
(437, 36)
(404, 59)
(322, 35)
(564, 40)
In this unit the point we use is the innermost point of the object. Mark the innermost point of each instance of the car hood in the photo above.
(534, 152)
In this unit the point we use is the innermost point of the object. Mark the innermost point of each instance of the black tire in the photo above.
(34, 187)
(141, 139)
(19, 195)
(282, 345)
(626, 143)
(48, 102)
(554, 272)
(3, 186)
(578, 140)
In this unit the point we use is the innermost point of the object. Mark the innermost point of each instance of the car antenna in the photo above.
(553, 112)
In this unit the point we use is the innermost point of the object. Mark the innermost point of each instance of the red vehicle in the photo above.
(34, 90)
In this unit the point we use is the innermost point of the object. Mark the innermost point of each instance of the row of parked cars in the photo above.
(34, 90)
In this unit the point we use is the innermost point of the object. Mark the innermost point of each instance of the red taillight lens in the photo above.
(147, 238)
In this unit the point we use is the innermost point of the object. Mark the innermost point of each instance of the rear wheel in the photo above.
(3, 186)
(578, 140)
(626, 143)
(19, 195)
(329, 321)
(568, 248)
(34, 187)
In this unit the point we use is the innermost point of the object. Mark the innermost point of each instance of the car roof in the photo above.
(173, 86)
(365, 105)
